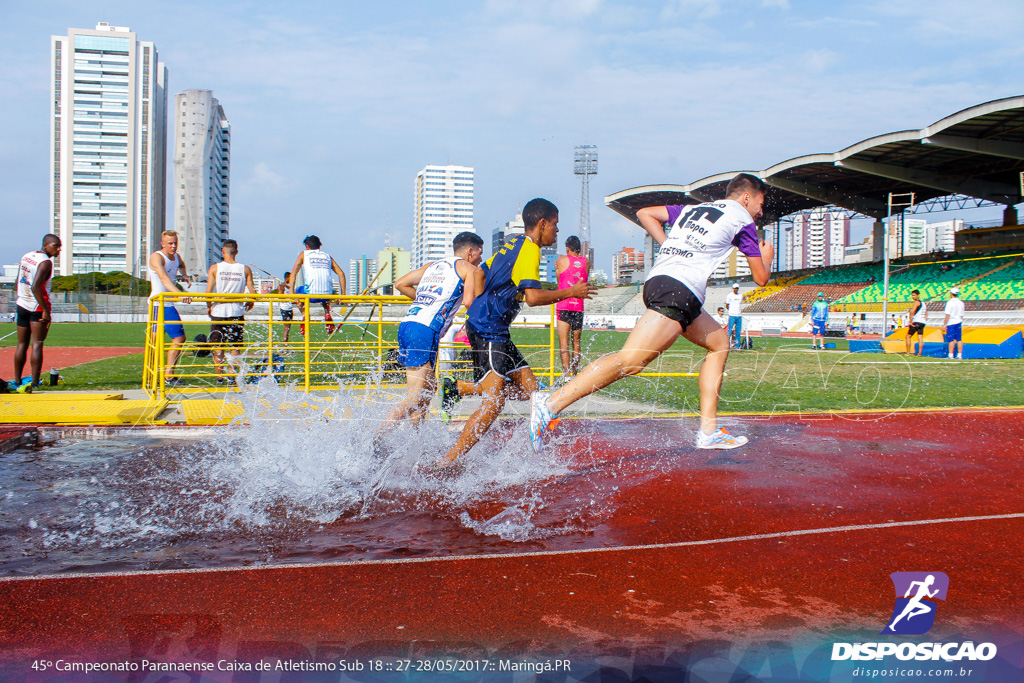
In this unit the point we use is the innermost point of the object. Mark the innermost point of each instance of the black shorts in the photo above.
(574, 319)
(672, 299)
(287, 314)
(916, 328)
(501, 357)
(226, 334)
(26, 316)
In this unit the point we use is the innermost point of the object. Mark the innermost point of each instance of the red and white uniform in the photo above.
(27, 270)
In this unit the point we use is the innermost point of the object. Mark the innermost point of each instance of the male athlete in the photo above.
(286, 307)
(700, 238)
(918, 316)
(510, 277)
(316, 268)
(570, 269)
(438, 289)
(228, 277)
(819, 321)
(165, 266)
(916, 606)
(33, 305)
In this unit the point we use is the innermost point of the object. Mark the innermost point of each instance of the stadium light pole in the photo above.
(903, 201)
(585, 165)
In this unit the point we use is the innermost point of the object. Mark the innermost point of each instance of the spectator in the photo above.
(951, 324)
(819, 320)
(733, 302)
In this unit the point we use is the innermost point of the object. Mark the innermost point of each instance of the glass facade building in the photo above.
(444, 208)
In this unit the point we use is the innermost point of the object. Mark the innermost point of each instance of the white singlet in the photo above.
(922, 314)
(170, 267)
(230, 280)
(27, 270)
(702, 237)
(438, 296)
(316, 272)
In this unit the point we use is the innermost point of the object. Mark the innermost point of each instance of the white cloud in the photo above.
(780, 4)
(263, 180)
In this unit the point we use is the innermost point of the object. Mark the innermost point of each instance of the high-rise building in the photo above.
(444, 208)
(734, 265)
(516, 226)
(361, 272)
(392, 263)
(942, 236)
(915, 236)
(108, 149)
(818, 239)
(627, 266)
(202, 160)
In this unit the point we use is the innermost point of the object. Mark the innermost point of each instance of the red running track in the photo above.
(790, 538)
(61, 357)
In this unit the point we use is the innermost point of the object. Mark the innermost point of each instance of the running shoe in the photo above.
(23, 388)
(450, 397)
(720, 440)
(330, 322)
(540, 419)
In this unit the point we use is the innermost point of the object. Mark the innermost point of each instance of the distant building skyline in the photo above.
(627, 266)
(361, 272)
(392, 263)
(202, 170)
(108, 150)
(443, 209)
(818, 238)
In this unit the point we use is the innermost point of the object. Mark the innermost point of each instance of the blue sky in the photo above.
(335, 106)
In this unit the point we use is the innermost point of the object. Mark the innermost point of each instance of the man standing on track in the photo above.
(918, 316)
(228, 277)
(164, 268)
(569, 270)
(700, 238)
(34, 311)
(316, 268)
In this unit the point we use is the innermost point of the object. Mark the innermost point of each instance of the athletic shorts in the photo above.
(221, 333)
(417, 344)
(916, 328)
(26, 317)
(673, 299)
(287, 313)
(500, 357)
(172, 322)
(954, 333)
(302, 289)
(818, 328)
(574, 319)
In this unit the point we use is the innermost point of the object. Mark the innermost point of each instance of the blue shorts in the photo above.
(953, 333)
(172, 322)
(303, 289)
(818, 327)
(417, 344)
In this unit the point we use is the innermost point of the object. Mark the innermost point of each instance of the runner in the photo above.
(700, 238)
(33, 310)
(511, 277)
(164, 267)
(918, 315)
(228, 277)
(287, 307)
(916, 606)
(438, 290)
(570, 269)
(316, 268)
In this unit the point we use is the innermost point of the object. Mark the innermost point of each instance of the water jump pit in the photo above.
(620, 553)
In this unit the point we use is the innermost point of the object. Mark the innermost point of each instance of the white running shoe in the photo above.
(721, 440)
(540, 419)
(951, 356)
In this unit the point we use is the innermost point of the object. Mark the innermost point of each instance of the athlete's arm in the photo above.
(211, 282)
(761, 268)
(157, 266)
(544, 297)
(39, 288)
(252, 287)
(467, 271)
(295, 271)
(341, 276)
(653, 219)
(561, 265)
(407, 283)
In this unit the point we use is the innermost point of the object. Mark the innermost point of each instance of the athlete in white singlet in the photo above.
(700, 238)
(316, 267)
(227, 277)
(33, 310)
(164, 267)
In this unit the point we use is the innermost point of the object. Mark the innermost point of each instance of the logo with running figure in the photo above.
(916, 593)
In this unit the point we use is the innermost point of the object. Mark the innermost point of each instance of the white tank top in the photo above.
(922, 314)
(316, 272)
(27, 270)
(438, 296)
(230, 280)
(170, 267)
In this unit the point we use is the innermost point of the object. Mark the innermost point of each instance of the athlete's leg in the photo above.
(420, 386)
(706, 333)
(21, 352)
(563, 346)
(574, 367)
(493, 389)
(653, 334)
(173, 351)
(522, 384)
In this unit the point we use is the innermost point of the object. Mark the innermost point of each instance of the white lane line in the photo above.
(538, 553)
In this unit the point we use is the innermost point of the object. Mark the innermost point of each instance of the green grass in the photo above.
(780, 375)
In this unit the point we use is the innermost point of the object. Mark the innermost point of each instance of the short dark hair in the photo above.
(312, 242)
(467, 239)
(745, 182)
(50, 238)
(231, 246)
(537, 210)
(572, 243)
(916, 291)
(287, 274)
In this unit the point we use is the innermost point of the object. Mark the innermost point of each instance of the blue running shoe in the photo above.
(540, 419)
(720, 440)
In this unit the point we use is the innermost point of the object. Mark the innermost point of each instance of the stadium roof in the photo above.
(977, 152)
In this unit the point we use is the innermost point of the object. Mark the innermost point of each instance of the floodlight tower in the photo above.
(585, 166)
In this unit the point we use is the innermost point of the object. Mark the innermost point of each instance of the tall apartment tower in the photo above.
(108, 149)
(819, 238)
(444, 208)
(202, 164)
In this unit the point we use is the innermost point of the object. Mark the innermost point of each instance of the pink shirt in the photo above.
(576, 272)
